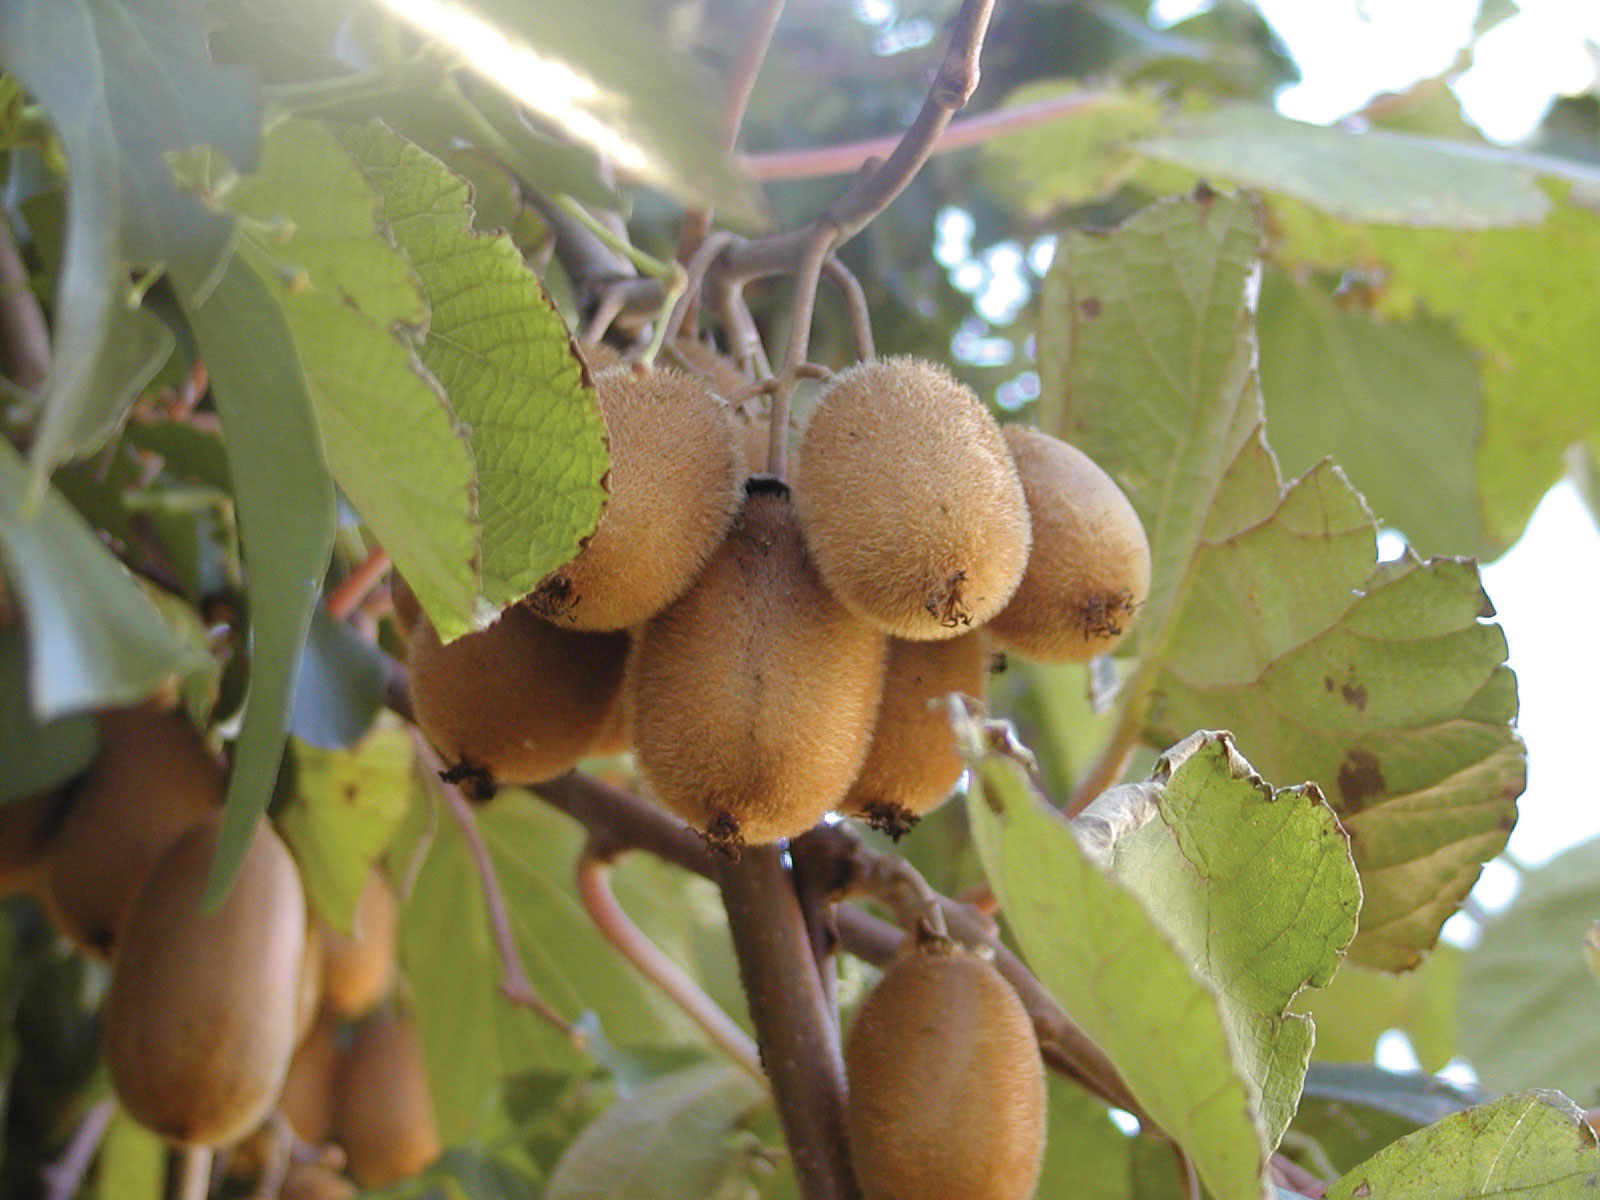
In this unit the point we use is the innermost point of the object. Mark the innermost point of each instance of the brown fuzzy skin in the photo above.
(311, 1181)
(358, 968)
(704, 359)
(597, 356)
(912, 507)
(27, 831)
(752, 697)
(519, 702)
(383, 1113)
(912, 763)
(1090, 569)
(947, 1091)
(152, 780)
(199, 1020)
(307, 1097)
(674, 488)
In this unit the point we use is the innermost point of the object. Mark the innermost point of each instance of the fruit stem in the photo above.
(63, 1177)
(807, 276)
(797, 1028)
(646, 264)
(350, 591)
(614, 924)
(192, 1180)
(855, 300)
(515, 985)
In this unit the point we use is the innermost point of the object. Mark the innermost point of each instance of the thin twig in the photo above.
(1189, 1177)
(614, 924)
(694, 278)
(847, 157)
(797, 1029)
(855, 300)
(514, 982)
(807, 276)
(1296, 1178)
(193, 1178)
(63, 1177)
(744, 336)
(24, 336)
(897, 885)
(350, 591)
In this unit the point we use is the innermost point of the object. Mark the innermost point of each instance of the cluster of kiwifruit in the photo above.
(770, 652)
(215, 1021)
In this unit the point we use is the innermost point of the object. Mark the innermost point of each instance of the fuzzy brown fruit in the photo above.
(912, 763)
(312, 1181)
(752, 697)
(358, 967)
(912, 507)
(383, 1114)
(307, 1097)
(152, 780)
(519, 702)
(1090, 568)
(308, 995)
(674, 487)
(947, 1092)
(199, 1019)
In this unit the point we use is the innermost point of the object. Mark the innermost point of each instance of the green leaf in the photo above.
(1267, 614)
(1256, 886)
(132, 1163)
(674, 1137)
(1086, 1157)
(285, 503)
(345, 809)
(339, 688)
(39, 755)
(1530, 1010)
(1526, 301)
(502, 353)
(1395, 403)
(1376, 176)
(1077, 158)
(1418, 1097)
(609, 77)
(1102, 954)
(473, 1038)
(393, 444)
(126, 83)
(1361, 1005)
(1532, 1144)
(94, 638)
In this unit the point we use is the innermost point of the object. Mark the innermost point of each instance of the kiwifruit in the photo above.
(152, 780)
(519, 702)
(307, 1097)
(702, 358)
(199, 1019)
(383, 1113)
(615, 737)
(674, 487)
(598, 356)
(27, 829)
(313, 1181)
(912, 507)
(912, 762)
(358, 967)
(1090, 567)
(947, 1092)
(752, 697)
(308, 996)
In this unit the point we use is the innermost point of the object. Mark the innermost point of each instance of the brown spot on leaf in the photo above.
(1089, 307)
(1360, 780)
(1327, 683)
(1355, 694)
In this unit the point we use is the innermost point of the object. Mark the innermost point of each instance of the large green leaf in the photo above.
(285, 502)
(39, 755)
(1394, 402)
(1375, 176)
(393, 444)
(126, 83)
(1091, 941)
(1268, 614)
(473, 1037)
(1525, 300)
(672, 1138)
(344, 810)
(1530, 1010)
(1256, 886)
(1534, 1145)
(606, 74)
(502, 353)
(94, 638)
